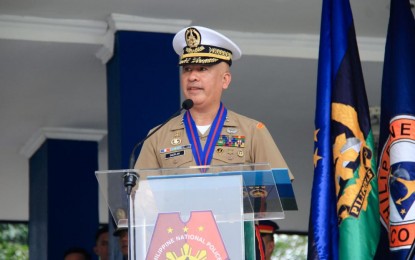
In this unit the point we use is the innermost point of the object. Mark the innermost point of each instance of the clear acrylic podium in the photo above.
(193, 213)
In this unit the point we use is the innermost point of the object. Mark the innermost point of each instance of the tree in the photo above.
(14, 241)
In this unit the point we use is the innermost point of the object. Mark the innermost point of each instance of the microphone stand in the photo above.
(131, 177)
(130, 180)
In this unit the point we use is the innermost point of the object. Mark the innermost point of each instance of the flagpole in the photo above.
(411, 253)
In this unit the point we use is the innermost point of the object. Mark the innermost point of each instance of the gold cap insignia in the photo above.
(192, 37)
(200, 45)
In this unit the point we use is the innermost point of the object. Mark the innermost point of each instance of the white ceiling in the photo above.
(50, 80)
(267, 16)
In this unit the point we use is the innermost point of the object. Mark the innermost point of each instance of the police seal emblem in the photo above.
(397, 182)
(199, 238)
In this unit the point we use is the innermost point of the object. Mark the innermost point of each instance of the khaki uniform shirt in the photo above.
(169, 147)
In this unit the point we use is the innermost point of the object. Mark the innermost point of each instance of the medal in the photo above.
(176, 141)
(240, 153)
(203, 156)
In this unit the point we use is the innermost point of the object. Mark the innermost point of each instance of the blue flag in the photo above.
(344, 213)
(397, 135)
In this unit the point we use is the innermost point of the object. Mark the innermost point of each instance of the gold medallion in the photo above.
(176, 141)
(240, 153)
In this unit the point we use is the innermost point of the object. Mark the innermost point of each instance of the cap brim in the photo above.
(118, 231)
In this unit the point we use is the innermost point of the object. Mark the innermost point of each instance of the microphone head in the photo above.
(187, 104)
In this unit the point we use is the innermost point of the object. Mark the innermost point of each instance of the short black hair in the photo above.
(78, 250)
(101, 230)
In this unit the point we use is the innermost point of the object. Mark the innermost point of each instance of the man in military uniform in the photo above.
(101, 243)
(208, 133)
(268, 229)
(122, 233)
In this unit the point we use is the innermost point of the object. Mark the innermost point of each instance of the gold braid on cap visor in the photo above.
(209, 55)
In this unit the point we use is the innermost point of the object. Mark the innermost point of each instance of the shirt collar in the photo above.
(230, 121)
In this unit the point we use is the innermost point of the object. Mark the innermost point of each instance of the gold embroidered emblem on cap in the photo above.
(195, 50)
(209, 55)
(192, 37)
(221, 53)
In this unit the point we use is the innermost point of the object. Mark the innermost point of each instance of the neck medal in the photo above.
(204, 156)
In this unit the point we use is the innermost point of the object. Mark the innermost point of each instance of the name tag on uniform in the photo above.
(176, 148)
(175, 154)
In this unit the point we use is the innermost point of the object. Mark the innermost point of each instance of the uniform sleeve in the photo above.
(264, 149)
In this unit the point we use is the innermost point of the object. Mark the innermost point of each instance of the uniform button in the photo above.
(240, 153)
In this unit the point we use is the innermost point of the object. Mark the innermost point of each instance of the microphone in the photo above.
(186, 105)
(131, 178)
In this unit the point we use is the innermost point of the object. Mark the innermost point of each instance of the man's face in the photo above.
(269, 245)
(101, 247)
(75, 256)
(123, 241)
(204, 83)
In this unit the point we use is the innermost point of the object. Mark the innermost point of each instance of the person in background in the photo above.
(268, 229)
(76, 253)
(101, 243)
(122, 234)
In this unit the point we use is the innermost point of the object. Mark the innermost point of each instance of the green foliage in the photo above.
(14, 241)
(14, 244)
(290, 247)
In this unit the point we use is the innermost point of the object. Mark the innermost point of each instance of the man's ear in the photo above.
(227, 77)
(271, 246)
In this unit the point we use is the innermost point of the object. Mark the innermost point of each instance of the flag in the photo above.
(344, 212)
(397, 135)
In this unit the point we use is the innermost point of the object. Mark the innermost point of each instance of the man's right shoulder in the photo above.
(176, 123)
